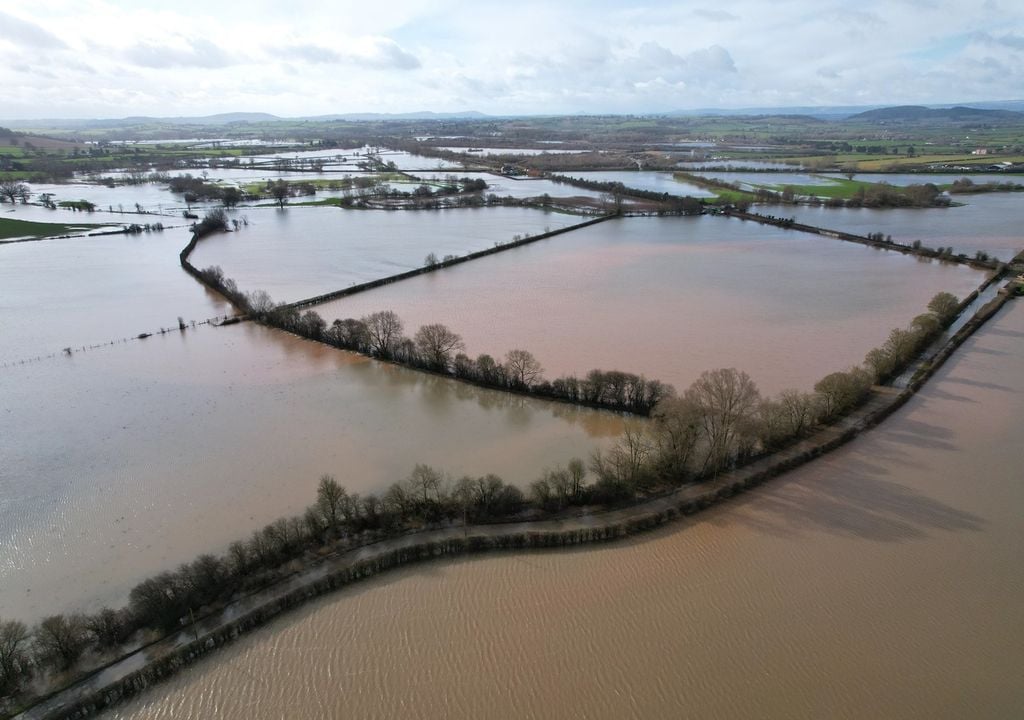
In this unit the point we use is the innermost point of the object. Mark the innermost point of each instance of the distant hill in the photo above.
(422, 115)
(919, 113)
(221, 119)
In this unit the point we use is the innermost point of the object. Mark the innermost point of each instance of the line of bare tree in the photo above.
(437, 348)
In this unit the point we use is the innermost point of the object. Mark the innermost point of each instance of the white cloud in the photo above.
(27, 34)
(312, 57)
(198, 53)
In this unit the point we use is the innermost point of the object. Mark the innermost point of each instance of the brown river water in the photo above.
(882, 581)
(120, 461)
(672, 297)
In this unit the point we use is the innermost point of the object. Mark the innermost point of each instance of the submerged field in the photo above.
(129, 456)
(301, 252)
(881, 581)
(672, 297)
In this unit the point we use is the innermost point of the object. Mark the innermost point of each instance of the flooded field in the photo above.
(122, 462)
(70, 292)
(749, 180)
(752, 180)
(659, 182)
(985, 222)
(881, 581)
(301, 252)
(672, 297)
(519, 187)
(150, 197)
(131, 458)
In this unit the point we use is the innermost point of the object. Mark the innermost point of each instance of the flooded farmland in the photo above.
(672, 297)
(881, 581)
(301, 252)
(984, 222)
(124, 461)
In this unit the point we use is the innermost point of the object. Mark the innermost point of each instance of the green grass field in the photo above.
(12, 228)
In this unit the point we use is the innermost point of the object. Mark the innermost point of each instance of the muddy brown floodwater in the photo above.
(881, 581)
(672, 297)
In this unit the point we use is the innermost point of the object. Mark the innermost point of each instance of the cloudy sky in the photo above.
(95, 58)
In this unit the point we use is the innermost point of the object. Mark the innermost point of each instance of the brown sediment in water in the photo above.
(431, 544)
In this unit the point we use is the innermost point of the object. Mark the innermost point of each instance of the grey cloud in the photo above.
(1010, 40)
(714, 60)
(199, 53)
(22, 32)
(314, 54)
(387, 54)
(716, 15)
(374, 53)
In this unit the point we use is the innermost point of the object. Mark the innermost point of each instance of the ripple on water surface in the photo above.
(882, 581)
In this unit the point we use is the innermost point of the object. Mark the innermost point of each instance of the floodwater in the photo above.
(152, 197)
(883, 580)
(123, 459)
(987, 221)
(652, 181)
(750, 180)
(512, 151)
(121, 462)
(74, 292)
(519, 188)
(300, 252)
(737, 165)
(672, 297)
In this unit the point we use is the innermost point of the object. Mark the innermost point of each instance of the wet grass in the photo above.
(11, 228)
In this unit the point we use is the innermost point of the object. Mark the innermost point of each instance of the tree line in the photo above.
(673, 204)
(437, 348)
(720, 422)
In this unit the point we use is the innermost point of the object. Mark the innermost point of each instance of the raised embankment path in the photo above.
(134, 672)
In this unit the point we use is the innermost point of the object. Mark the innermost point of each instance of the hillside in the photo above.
(918, 113)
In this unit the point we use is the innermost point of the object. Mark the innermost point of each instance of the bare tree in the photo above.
(279, 191)
(523, 368)
(13, 656)
(799, 409)
(329, 498)
(12, 190)
(840, 391)
(577, 473)
(425, 485)
(108, 626)
(436, 343)
(627, 464)
(726, 398)
(259, 302)
(677, 430)
(383, 330)
(61, 639)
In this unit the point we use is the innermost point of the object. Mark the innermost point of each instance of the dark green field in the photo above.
(12, 228)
